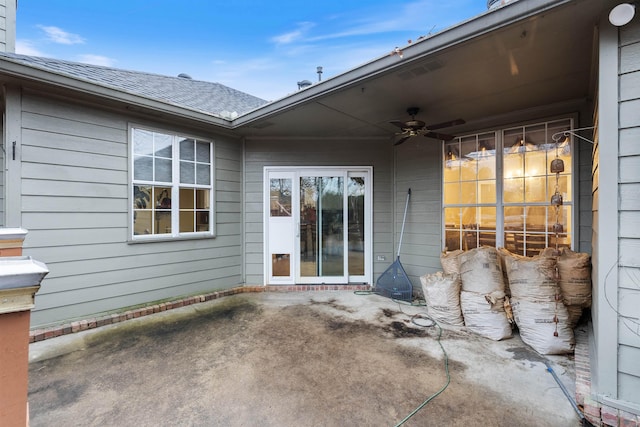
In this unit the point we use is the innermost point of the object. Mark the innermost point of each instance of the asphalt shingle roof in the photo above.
(207, 97)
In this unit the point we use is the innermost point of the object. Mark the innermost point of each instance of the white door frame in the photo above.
(290, 244)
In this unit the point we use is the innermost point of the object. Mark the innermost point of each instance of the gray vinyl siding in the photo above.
(316, 152)
(7, 25)
(75, 205)
(418, 166)
(629, 215)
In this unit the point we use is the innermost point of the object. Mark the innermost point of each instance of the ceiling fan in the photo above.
(415, 127)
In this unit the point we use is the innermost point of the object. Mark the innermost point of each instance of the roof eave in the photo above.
(487, 22)
(19, 71)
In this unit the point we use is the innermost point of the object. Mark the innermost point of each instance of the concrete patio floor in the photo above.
(328, 358)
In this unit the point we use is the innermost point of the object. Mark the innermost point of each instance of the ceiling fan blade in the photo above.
(436, 135)
(448, 124)
(401, 140)
(398, 123)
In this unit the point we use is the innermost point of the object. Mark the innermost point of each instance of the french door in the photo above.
(317, 227)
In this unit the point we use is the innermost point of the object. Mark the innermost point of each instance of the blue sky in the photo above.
(260, 47)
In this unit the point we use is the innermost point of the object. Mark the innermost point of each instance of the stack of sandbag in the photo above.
(536, 299)
(574, 269)
(482, 298)
(442, 295)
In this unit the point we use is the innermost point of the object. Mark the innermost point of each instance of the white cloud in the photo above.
(97, 60)
(25, 47)
(58, 35)
(295, 35)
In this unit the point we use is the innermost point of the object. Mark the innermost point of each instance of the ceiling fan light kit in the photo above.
(415, 127)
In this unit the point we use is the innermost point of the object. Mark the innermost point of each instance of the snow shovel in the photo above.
(394, 282)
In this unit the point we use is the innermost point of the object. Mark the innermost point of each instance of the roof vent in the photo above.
(304, 83)
(184, 76)
(492, 4)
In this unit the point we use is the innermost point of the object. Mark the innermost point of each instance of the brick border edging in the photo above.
(42, 334)
(596, 412)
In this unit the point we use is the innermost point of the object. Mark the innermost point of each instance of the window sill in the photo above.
(161, 238)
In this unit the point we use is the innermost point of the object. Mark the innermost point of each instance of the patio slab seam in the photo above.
(41, 334)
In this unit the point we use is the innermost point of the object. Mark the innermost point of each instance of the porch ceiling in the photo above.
(528, 64)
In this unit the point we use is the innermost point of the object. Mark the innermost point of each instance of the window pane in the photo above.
(202, 221)
(514, 218)
(143, 168)
(514, 190)
(564, 217)
(187, 173)
(452, 163)
(536, 218)
(186, 198)
(487, 217)
(142, 197)
(564, 186)
(452, 240)
(142, 142)
(203, 152)
(163, 170)
(162, 222)
(469, 218)
(469, 195)
(513, 165)
(452, 193)
(142, 223)
(202, 199)
(487, 191)
(203, 174)
(535, 163)
(187, 147)
(163, 145)
(535, 189)
(186, 222)
(162, 197)
(452, 217)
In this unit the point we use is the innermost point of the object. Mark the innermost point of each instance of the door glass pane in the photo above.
(356, 237)
(321, 226)
(280, 196)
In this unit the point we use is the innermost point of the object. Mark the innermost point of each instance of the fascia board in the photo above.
(22, 72)
(485, 23)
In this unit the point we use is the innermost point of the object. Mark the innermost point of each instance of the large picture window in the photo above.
(498, 186)
(172, 186)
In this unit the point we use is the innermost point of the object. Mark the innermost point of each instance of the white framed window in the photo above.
(498, 185)
(171, 185)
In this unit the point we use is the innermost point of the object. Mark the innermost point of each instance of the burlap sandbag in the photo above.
(484, 318)
(450, 261)
(538, 321)
(532, 279)
(442, 295)
(575, 277)
(575, 313)
(503, 253)
(480, 270)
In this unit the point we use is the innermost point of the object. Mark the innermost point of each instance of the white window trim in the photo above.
(500, 204)
(175, 184)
